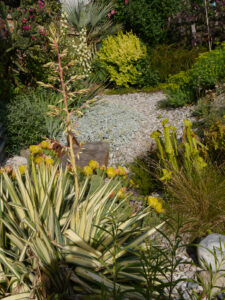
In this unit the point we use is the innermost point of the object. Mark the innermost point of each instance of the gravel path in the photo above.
(148, 105)
(143, 110)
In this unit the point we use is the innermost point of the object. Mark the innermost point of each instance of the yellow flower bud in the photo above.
(22, 169)
(35, 149)
(8, 169)
(44, 144)
(87, 170)
(111, 172)
(153, 201)
(122, 171)
(121, 194)
(38, 160)
(93, 164)
(103, 168)
(49, 160)
(131, 182)
(158, 208)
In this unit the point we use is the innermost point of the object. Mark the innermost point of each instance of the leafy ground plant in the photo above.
(26, 109)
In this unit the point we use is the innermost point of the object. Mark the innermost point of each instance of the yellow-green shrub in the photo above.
(119, 55)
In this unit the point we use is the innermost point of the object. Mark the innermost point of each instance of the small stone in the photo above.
(16, 161)
(192, 285)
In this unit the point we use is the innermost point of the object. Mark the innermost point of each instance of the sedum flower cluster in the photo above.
(110, 171)
(11, 171)
(42, 153)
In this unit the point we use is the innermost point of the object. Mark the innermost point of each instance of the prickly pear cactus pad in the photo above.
(114, 123)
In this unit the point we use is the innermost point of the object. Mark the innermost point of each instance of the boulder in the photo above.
(210, 247)
(211, 252)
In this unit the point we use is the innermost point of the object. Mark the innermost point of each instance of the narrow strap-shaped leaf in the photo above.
(22, 296)
(71, 235)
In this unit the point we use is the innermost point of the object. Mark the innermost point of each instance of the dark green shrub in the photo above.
(25, 120)
(179, 90)
(210, 111)
(147, 77)
(146, 18)
(169, 59)
(187, 87)
(208, 69)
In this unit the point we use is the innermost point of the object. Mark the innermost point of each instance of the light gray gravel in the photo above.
(126, 122)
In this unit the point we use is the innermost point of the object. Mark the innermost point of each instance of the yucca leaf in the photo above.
(100, 280)
(14, 196)
(9, 265)
(87, 261)
(27, 202)
(80, 242)
(137, 241)
(22, 296)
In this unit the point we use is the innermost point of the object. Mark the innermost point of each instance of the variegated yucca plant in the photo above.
(47, 250)
(57, 236)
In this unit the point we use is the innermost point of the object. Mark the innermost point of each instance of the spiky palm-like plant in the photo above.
(44, 252)
(91, 15)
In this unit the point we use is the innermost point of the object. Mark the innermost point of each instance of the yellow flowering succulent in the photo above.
(152, 201)
(159, 208)
(121, 193)
(49, 160)
(38, 160)
(111, 172)
(35, 149)
(44, 145)
(131, 182)
(8, 169)
(22, 169)
(93, 164)
(156, 204)
(122, 171)
(103, 168)
(13, 174)
(87, 170)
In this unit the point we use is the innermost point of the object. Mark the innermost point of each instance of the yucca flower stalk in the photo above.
(64, 80)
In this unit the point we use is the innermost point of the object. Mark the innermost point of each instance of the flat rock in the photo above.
(213, 243)
(98, 151)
